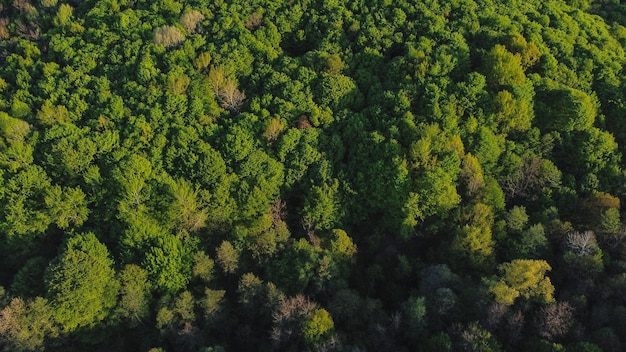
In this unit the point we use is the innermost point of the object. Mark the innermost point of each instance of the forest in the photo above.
(312, 175)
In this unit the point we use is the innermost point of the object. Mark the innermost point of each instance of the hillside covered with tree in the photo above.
(312, 175)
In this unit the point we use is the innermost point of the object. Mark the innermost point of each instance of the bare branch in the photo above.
(554, 321)
(253, 22)
(190, 21)
(582, 243)
(278, 211)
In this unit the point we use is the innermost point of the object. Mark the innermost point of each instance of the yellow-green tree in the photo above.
(503, 68)
(525, 278)
(318, 327)
(474, 241)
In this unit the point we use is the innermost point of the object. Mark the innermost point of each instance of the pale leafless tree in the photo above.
(582, 243)
(495, 316)
(532, 175)
(225, 90)
(24, 6)
(4, 28)
(230, 97)
(10, 317)
(190, 20)
(519, 182)
(288, 318)
(554, 321)
(475, 338)
(28, 31)
(303, 122)
(472, 174)
(308, 226)
(278, 210)
(254, 21)
(168, 36)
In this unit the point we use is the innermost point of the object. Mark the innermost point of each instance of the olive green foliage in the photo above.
(135, 297)
(25, 326)
(312, 175)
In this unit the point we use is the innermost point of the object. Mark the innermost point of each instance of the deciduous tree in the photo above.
(27, 325)
(81, 283)
(525, 278)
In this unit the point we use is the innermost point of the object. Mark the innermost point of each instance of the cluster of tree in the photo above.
(183, 175)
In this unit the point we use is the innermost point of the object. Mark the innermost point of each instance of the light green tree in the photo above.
(503, 68)
(134, 301)
(24, 193)
(228, 257)
(81, 283)
(168, 262)
(66, 206)
(186, 211)
(203, 267)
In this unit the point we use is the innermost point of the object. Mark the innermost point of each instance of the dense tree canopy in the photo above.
(180, 175)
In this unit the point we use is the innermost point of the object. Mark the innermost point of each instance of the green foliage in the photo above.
(66, 206)
(227, 257)
(338, 91)
(168, 264)
(185, 211)
(81, 283)
(341, 244)
(610, 221)
(523, 241)
(295, 269)
(322, 209)
(503, 68)
(175, 314)
(472, 175)
(439, 342)
(585, 347)
(274, 139)
(474, 241)
(24, 195)
(13, 130)
(135, 297)
(414, 314)
(64, 15)
(517, 219)
(203, 267)
(210, 302)
(566, 109)
(264, 236)
(29, 280)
